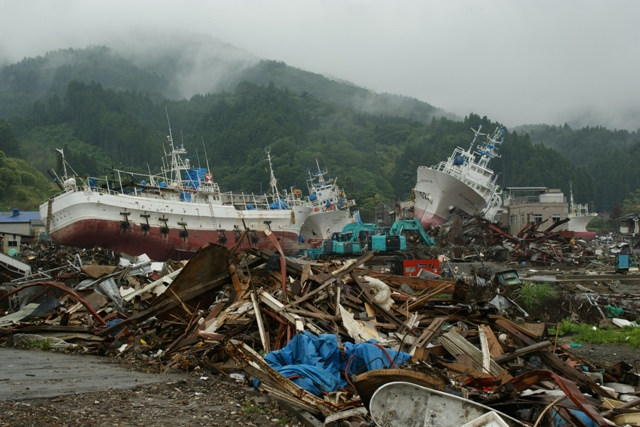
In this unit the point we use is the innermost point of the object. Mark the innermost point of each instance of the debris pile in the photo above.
(536, 243)
(335, 339)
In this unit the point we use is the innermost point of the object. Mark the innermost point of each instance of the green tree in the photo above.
(9, 141)
(631, 203)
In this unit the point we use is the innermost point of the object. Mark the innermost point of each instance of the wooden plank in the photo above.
(263, 333)
(458, 346)
(168, 304)
(460, 369)
(313, 315)
(207, 263)
(429, 333)
(331, 279)
(370, 312)
(428, 296)
(150, 287)
(495, 349)
(522, 351)
(551, 358)
(212, 315)
(308, 296)
(484, 346)
(230, 314)
(294, 319)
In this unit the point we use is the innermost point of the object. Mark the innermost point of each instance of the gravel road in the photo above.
(191, 401)
(40, 388)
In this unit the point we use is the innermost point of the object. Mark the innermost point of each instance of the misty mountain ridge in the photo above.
(106, 106)
(181, 65)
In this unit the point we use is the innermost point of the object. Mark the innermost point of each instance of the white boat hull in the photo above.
(163, 228)
(439, 197)
(329, 208)
(320, 226)
(579, 223)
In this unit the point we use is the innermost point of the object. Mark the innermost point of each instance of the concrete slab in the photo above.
(33, 374)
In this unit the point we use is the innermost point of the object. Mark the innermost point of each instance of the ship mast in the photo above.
(571, 201)
(177, 165)
(206, 156)
(476, 134)
(64, 163)
(320, 173)
(272, 181)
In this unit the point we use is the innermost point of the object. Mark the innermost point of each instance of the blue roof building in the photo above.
(18, 227)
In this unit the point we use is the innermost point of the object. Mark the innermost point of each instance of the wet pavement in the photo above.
(33, 374)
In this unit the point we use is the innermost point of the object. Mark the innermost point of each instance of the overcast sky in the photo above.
(518, 62)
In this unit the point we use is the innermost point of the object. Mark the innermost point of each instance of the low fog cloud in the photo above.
(516, 62)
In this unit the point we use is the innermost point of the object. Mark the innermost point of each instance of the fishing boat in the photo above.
(168, 215)
(464, 183)
(330, 208)
(579, 218)
(404, 404)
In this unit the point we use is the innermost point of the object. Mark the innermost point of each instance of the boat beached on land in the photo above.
(330, 207)
(168, 215)
(464, 183)
(579, 216)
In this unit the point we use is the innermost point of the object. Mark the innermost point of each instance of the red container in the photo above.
(411, 267)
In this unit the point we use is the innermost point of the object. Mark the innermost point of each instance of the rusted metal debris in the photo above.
(536, 243)
(227, 311)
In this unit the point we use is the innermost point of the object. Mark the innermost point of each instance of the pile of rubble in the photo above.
(537, 243)
(336, 339)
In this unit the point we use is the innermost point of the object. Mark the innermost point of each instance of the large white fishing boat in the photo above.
(579, 217)
(330, 208)
(464, 183)
(168, 215)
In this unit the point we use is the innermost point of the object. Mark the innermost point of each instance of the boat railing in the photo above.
(158, 188)
(250, 201)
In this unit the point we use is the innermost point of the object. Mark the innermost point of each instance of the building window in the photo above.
(12, 243)
(537, 218)
(555, 218)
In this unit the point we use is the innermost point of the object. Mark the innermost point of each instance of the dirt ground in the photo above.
(197, 400)
(191, 401)
(608, 354)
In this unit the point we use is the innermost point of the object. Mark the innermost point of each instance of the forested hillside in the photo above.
(609, 157)
(113, 114)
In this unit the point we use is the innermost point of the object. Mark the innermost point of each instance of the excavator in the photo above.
(398, 234)
(389, 243)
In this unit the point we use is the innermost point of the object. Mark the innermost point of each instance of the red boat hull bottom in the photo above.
(584, 235)
(428, 219)
(162, 244)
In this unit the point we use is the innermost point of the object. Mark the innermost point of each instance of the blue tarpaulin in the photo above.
(194, 177)
(315, 363)
(279, 204)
